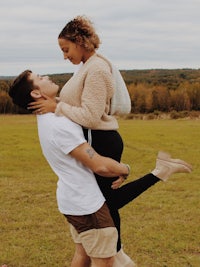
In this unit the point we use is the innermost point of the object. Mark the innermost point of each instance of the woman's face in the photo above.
(71, 51)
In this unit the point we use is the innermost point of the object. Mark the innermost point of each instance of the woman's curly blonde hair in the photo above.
(80, 30)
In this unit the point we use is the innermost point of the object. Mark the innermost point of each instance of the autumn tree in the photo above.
(6, 104)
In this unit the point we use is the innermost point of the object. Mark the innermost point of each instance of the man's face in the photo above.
(45, 85)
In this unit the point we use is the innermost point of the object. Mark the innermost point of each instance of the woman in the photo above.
(85, 99)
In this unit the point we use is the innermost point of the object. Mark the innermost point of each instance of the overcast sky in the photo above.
(135, 34)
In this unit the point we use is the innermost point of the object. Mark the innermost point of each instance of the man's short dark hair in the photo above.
(20, 89)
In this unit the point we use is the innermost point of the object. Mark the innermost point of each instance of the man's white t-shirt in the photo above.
(77, 190)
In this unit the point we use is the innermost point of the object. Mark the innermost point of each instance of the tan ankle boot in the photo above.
(121, 259)
(166, 166)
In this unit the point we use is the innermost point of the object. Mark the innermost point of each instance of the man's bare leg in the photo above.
(80, 258)
(102, 262)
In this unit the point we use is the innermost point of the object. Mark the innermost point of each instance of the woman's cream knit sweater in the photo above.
(85, 98)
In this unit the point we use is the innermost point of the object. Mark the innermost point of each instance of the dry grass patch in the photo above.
(159, 229)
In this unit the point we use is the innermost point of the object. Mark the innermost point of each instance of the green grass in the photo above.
(159, 229)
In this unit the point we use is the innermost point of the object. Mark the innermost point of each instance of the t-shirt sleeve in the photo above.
(68, 135)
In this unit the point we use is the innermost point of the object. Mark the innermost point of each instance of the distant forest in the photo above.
(151, 91)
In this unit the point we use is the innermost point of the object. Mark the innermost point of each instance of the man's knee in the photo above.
(80, 257)
(102, 262)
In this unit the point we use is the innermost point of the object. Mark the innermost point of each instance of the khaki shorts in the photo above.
(96, 232)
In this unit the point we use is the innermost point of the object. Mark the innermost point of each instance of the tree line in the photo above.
(146, 98)
(150, 90)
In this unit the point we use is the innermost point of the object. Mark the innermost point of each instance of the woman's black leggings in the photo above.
(110, 144)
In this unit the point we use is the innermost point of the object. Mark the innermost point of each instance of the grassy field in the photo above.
(161, 228)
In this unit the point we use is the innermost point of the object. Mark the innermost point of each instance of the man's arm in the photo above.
(100, 165)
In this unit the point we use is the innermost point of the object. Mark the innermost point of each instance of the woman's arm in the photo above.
(44, 105)
(93, 103)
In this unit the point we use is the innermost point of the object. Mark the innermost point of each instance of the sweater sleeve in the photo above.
(96, 94)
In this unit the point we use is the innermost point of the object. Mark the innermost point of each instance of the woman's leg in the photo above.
(110, 144)
(130, 191)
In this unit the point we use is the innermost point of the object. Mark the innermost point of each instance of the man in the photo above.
(70, 156)
(78, 195)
